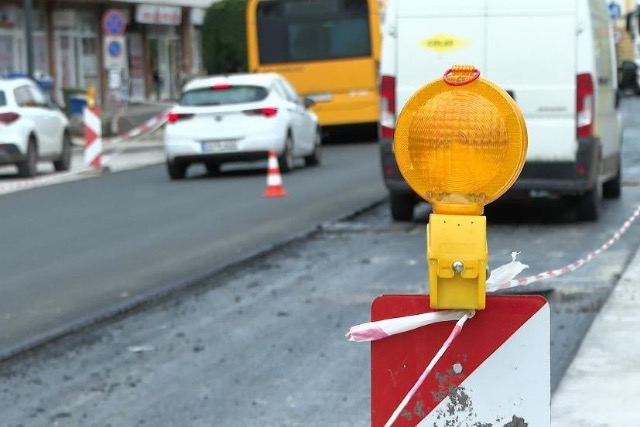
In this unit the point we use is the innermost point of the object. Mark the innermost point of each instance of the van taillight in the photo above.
(174, 117)
(387, 106)
(8, 118)
(584, 105)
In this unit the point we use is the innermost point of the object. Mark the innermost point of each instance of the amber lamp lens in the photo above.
(460, 147)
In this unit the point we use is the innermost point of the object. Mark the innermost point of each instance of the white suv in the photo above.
(32, 128)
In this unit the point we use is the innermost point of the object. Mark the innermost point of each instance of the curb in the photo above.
(600, 385)
(131, 147)
(148, 299)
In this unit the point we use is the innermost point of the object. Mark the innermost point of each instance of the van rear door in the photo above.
(434, 35)
(532, 53)
(528, 48)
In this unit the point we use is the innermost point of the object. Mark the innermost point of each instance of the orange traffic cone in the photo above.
(274, 180)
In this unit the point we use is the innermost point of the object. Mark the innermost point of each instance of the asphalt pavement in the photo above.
(601, 385)
(603, 381)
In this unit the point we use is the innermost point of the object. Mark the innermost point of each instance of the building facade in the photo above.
(72, 45)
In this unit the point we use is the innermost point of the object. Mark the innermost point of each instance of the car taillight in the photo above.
(221, 86)
(267, 112)
(8, 118)
(387, 106)
(584, 105)
(174, 117)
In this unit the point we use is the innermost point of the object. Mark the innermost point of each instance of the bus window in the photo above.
(314, 30)
(327, 49)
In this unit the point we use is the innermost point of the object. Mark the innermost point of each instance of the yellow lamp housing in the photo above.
(457, 256)
(91, 97)
(460, 143)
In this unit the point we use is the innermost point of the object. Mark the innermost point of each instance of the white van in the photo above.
(557, 60)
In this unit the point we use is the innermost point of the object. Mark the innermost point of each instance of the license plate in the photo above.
(219, 146)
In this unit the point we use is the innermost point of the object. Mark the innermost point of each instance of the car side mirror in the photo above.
(308, 102)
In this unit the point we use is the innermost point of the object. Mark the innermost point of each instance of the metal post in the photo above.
(28, 35)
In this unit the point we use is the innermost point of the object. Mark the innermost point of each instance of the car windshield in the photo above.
(3, 99)
(223, 96)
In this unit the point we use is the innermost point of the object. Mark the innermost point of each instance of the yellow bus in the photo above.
(328, 49)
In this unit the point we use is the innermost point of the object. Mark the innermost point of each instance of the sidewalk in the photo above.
(601, 388)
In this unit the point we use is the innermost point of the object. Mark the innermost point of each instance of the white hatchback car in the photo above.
(240, 117)
(32, 128)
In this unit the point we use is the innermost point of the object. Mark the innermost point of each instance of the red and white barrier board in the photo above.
(496, 372)
(93, 137)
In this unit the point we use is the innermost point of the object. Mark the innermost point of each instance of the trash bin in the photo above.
(77, 103)
(68, 92)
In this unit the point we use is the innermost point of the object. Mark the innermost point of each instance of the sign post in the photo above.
(460, 143)
(114, 56)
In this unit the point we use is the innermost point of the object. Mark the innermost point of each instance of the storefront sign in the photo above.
(66, 18)
(162, 15)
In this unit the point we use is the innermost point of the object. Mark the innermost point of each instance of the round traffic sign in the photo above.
(615, 10)
(115, 49)
(114, 22)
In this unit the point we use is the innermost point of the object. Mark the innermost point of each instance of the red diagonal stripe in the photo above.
(89, 136)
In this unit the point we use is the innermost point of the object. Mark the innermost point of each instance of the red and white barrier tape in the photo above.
(148, 126)
(373, 331)
(570, 267)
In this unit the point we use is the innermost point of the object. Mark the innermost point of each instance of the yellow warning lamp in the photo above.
(91, 97)
(460, 143)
